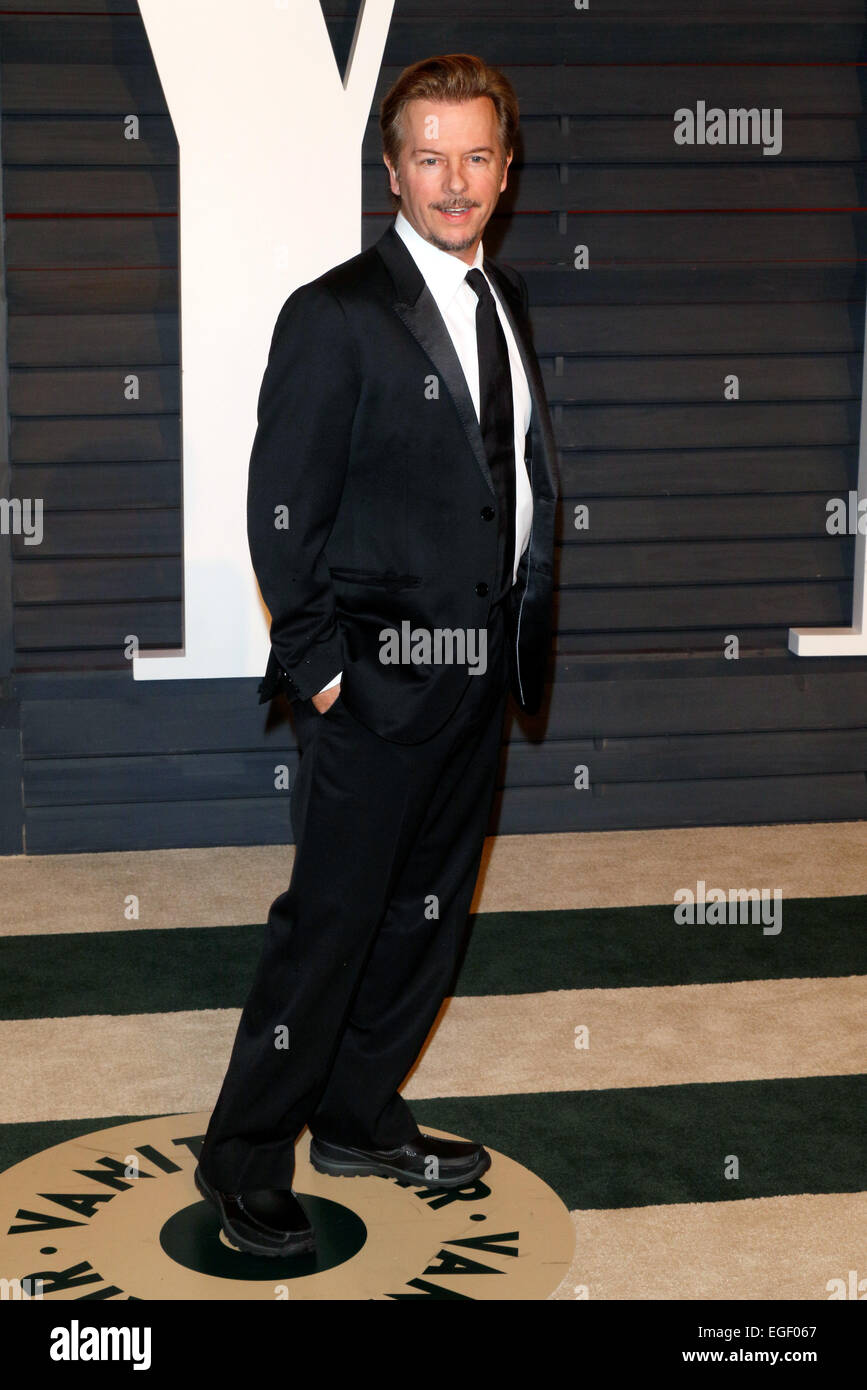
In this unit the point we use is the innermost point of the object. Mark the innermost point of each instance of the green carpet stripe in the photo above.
(623, 947)
(638, 1147)
(669, 1144)
(171, 969)
(616, 948)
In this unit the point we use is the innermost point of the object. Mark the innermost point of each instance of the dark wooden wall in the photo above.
(707, 517)
(11, 807)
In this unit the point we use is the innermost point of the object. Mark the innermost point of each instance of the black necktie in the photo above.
(497, 421)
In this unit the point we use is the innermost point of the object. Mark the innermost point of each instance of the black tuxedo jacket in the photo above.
(370, 502)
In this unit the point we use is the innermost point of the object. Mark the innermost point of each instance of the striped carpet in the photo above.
(694, 1093)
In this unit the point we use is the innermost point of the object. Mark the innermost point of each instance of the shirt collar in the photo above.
(443, 273)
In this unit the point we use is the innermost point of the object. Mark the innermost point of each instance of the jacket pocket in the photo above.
(389, 580)
(335, 704)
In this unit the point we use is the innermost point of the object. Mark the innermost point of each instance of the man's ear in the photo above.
(393, 179)
(505, 170)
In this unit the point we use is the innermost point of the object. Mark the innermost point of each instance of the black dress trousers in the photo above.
(360, 950)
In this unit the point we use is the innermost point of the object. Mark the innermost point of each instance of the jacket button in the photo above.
(488, 513)
(481, 589)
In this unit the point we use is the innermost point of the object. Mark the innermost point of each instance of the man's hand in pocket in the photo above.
(325, 699)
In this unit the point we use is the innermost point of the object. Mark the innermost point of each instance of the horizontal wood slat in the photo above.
(824, 604)
(695, 562)
(693, 518)
(522, 237)
(736, 12)
(682, 239)
(82, 715)
(585, 380)
(556, 88)
(97, 580)
(254, 772)
(517, 811)
(590, 380)
(96, 438)
(570, 329)
(700, 329)
(100, 140)
(714, 472)
(114, 290)
(96, 391)
(62, 191)
(733, 424)
(86, 340)
(105, 625)
(682, 641)
(94, 487)
(679, 641)
(91, 291)
(142, 532)
(125, 531)
(586, 564)
(590, 37)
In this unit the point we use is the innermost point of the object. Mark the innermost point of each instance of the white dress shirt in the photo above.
(445, 277)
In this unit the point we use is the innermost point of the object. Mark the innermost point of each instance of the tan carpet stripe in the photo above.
(484, 1045)
(667, 1036)
(758, 1248)
(226, 886)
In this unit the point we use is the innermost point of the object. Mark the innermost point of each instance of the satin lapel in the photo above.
(424, 321)
(416, 307)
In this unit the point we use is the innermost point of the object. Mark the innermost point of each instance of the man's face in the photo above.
(450, 172)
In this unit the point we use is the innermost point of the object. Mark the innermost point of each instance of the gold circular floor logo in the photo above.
(116, 1215)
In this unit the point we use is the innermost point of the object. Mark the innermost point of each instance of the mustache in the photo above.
(453, 207)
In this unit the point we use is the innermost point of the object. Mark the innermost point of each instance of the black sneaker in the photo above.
(268, 1221)
(421, 1162)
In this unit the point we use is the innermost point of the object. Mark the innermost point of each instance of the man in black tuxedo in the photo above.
(401, 508)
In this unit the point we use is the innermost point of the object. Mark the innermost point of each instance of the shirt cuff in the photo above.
(332, 683)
